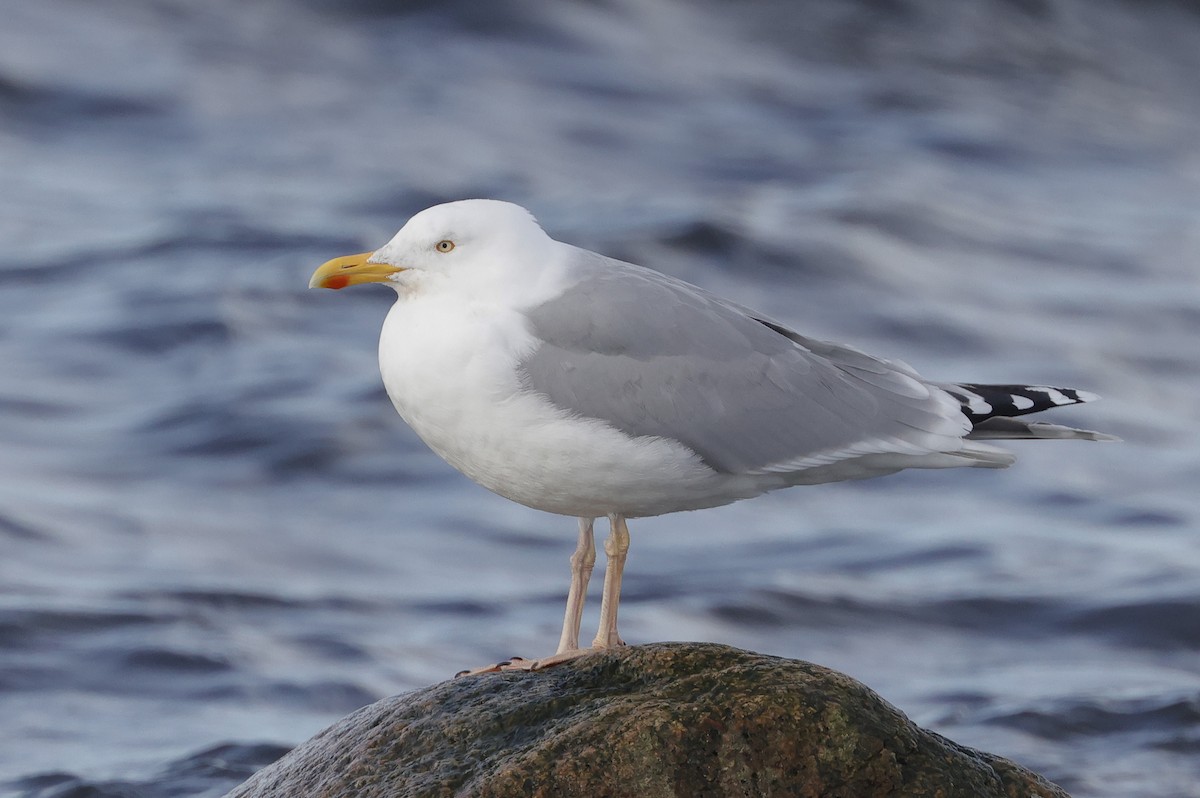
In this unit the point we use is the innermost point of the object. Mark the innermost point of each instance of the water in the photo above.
(217, 537)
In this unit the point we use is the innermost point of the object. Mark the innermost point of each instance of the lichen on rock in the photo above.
(685, 720)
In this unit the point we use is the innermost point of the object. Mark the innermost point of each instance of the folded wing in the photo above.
(746, 394)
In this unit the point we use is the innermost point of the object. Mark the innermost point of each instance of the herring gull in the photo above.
(584, 386)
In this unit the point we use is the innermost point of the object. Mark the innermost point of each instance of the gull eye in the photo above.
(445, 245)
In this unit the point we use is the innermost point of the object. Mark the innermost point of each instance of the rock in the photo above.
(668, 719)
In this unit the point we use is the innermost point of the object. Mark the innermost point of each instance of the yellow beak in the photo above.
(351, 270)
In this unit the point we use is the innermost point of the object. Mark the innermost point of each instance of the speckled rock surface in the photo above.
(668, 719)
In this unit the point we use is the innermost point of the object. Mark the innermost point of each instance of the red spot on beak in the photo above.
(336, 281)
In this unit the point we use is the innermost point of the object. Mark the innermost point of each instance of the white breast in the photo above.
(449, 368)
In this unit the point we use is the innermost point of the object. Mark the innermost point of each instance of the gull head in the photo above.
(467, 239)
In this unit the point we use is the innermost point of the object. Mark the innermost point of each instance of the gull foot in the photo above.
(495, 667)
(522, 664)
(519, 664)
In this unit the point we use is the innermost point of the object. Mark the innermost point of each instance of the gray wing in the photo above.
(656, 356)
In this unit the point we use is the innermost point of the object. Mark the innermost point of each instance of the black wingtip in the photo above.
(981, 402)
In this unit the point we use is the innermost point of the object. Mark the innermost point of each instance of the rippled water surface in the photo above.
(216, 537)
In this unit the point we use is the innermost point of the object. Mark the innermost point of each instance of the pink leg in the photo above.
(615, 546)
(582, 562)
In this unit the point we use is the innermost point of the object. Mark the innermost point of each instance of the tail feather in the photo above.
(1002, 428)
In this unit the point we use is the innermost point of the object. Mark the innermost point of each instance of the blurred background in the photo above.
(216, 536)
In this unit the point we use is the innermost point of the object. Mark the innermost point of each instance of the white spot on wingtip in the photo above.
(977, 405)
(1054, 395)
(1022, 402)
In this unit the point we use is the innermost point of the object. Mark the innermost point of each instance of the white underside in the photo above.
(450, 372)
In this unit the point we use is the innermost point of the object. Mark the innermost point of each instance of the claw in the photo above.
(494, 668)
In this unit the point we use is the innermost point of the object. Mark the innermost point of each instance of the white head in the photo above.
(469, 239)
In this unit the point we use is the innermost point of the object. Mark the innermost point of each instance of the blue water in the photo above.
(216, 538)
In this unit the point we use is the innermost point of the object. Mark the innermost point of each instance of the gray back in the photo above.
(656, 356)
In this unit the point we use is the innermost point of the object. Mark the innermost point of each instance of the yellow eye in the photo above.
(445, 245)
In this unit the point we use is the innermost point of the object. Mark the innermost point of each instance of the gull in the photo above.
(585, 386)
